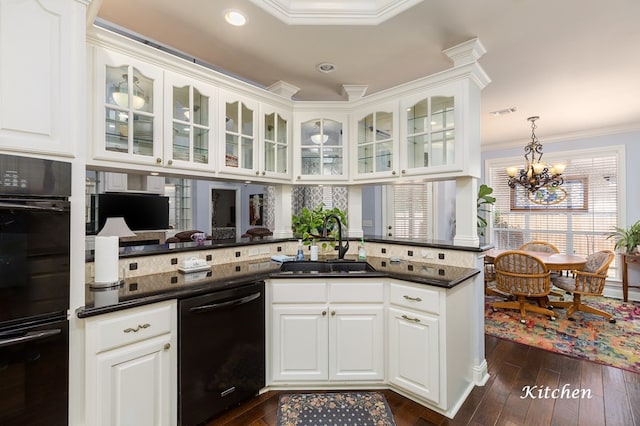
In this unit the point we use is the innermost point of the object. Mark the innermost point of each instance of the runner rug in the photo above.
(335, 409)
(590, 337)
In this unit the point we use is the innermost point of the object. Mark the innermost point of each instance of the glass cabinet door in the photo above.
(431, 132)
(322, 150)
(129, 117)
(375, 143)
(191, 127)
(239, 135)
(276, 143)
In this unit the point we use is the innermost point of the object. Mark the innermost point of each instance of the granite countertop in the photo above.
(147, 289)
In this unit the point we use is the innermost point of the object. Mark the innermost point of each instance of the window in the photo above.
(410, 210)
(577, 225)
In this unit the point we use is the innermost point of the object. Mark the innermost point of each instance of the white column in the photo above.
(354, 211)
(466, 212)
(282, 222)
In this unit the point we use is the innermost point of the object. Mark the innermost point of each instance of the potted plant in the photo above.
(484, 200)
(308, 225)
(627, 239)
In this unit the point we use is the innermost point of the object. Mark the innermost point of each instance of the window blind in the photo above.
(411, 210)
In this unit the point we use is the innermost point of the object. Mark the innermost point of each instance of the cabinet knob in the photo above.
(324, 313)
(393, 172)
(167, 346)
(408, 318)
(403, 171)
(298, 178)
(170, 162)
(158, 160)
(333, 313)
(264, 173)
(257, 172)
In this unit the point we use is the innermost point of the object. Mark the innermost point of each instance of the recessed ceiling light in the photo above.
(503, 111)
(326, 67)
(235, 17)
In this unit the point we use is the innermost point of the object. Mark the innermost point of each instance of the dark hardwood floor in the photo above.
(615, 394)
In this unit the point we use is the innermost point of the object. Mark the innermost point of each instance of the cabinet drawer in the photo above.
(132, 325)
(304, 291)
(356, 291)
(421, 299)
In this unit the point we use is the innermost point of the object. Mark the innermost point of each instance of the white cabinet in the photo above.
(131, 366)
(239, 152)
(413, 353)
(190, 123)
(327, 331)
(414, 339)
(376, 150)
(42, 55)
(127, 110)
(275, 143)
(431, 131)
(320, 147)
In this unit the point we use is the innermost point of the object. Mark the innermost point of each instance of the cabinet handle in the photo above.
(158, 160)
(415, 299)
(333, 313)
(298, 177)
(393, 172)
(257, 172)
(324, 313)
(264, 173)
(170, 162)
(138, 328)
(410, 319)
(403, 171)
(167, 346)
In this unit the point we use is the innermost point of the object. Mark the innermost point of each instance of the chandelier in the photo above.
(535, 174)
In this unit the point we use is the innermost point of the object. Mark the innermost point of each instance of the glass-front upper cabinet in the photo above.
(430, 138)
(129, 123)
(189, 123)
(240, 155)
(274, 155)
(321, 150)
(377, 143)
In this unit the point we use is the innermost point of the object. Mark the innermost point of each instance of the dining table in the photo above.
(553, 261)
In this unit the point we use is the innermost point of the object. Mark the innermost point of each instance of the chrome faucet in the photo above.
(342, 250)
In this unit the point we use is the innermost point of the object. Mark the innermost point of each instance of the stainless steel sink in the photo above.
(330, 267)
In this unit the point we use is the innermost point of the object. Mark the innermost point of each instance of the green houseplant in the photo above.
(484, 201)
(626, 239)
(308, 225)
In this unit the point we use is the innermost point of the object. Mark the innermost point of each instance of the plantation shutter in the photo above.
(410, 211)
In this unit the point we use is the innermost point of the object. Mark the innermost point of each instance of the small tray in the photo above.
(194, 269)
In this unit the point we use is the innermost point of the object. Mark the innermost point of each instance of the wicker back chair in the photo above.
(524, 276)
(541, 246)
(589, 281)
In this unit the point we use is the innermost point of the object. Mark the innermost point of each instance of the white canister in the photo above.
(314, 252)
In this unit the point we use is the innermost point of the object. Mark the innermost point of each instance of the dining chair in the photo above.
(524, 276)
(541, 246)
(589, 281)
(545, 247)
(490, 280)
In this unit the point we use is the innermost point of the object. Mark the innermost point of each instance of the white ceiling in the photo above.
(575, 63)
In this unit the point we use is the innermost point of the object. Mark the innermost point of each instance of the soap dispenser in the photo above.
(300, 255)
(362, 254)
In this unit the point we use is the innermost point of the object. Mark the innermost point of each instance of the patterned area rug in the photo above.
(335, 409)
(590, 337)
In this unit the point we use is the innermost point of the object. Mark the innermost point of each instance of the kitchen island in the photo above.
(408, 325)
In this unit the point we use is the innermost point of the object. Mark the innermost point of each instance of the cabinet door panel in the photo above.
(133, 387)
(299, 343)
(356, 343)
(414, 359)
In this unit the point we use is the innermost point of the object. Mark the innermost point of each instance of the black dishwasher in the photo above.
(221, 345)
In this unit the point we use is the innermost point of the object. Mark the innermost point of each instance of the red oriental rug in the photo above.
(590, 337)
